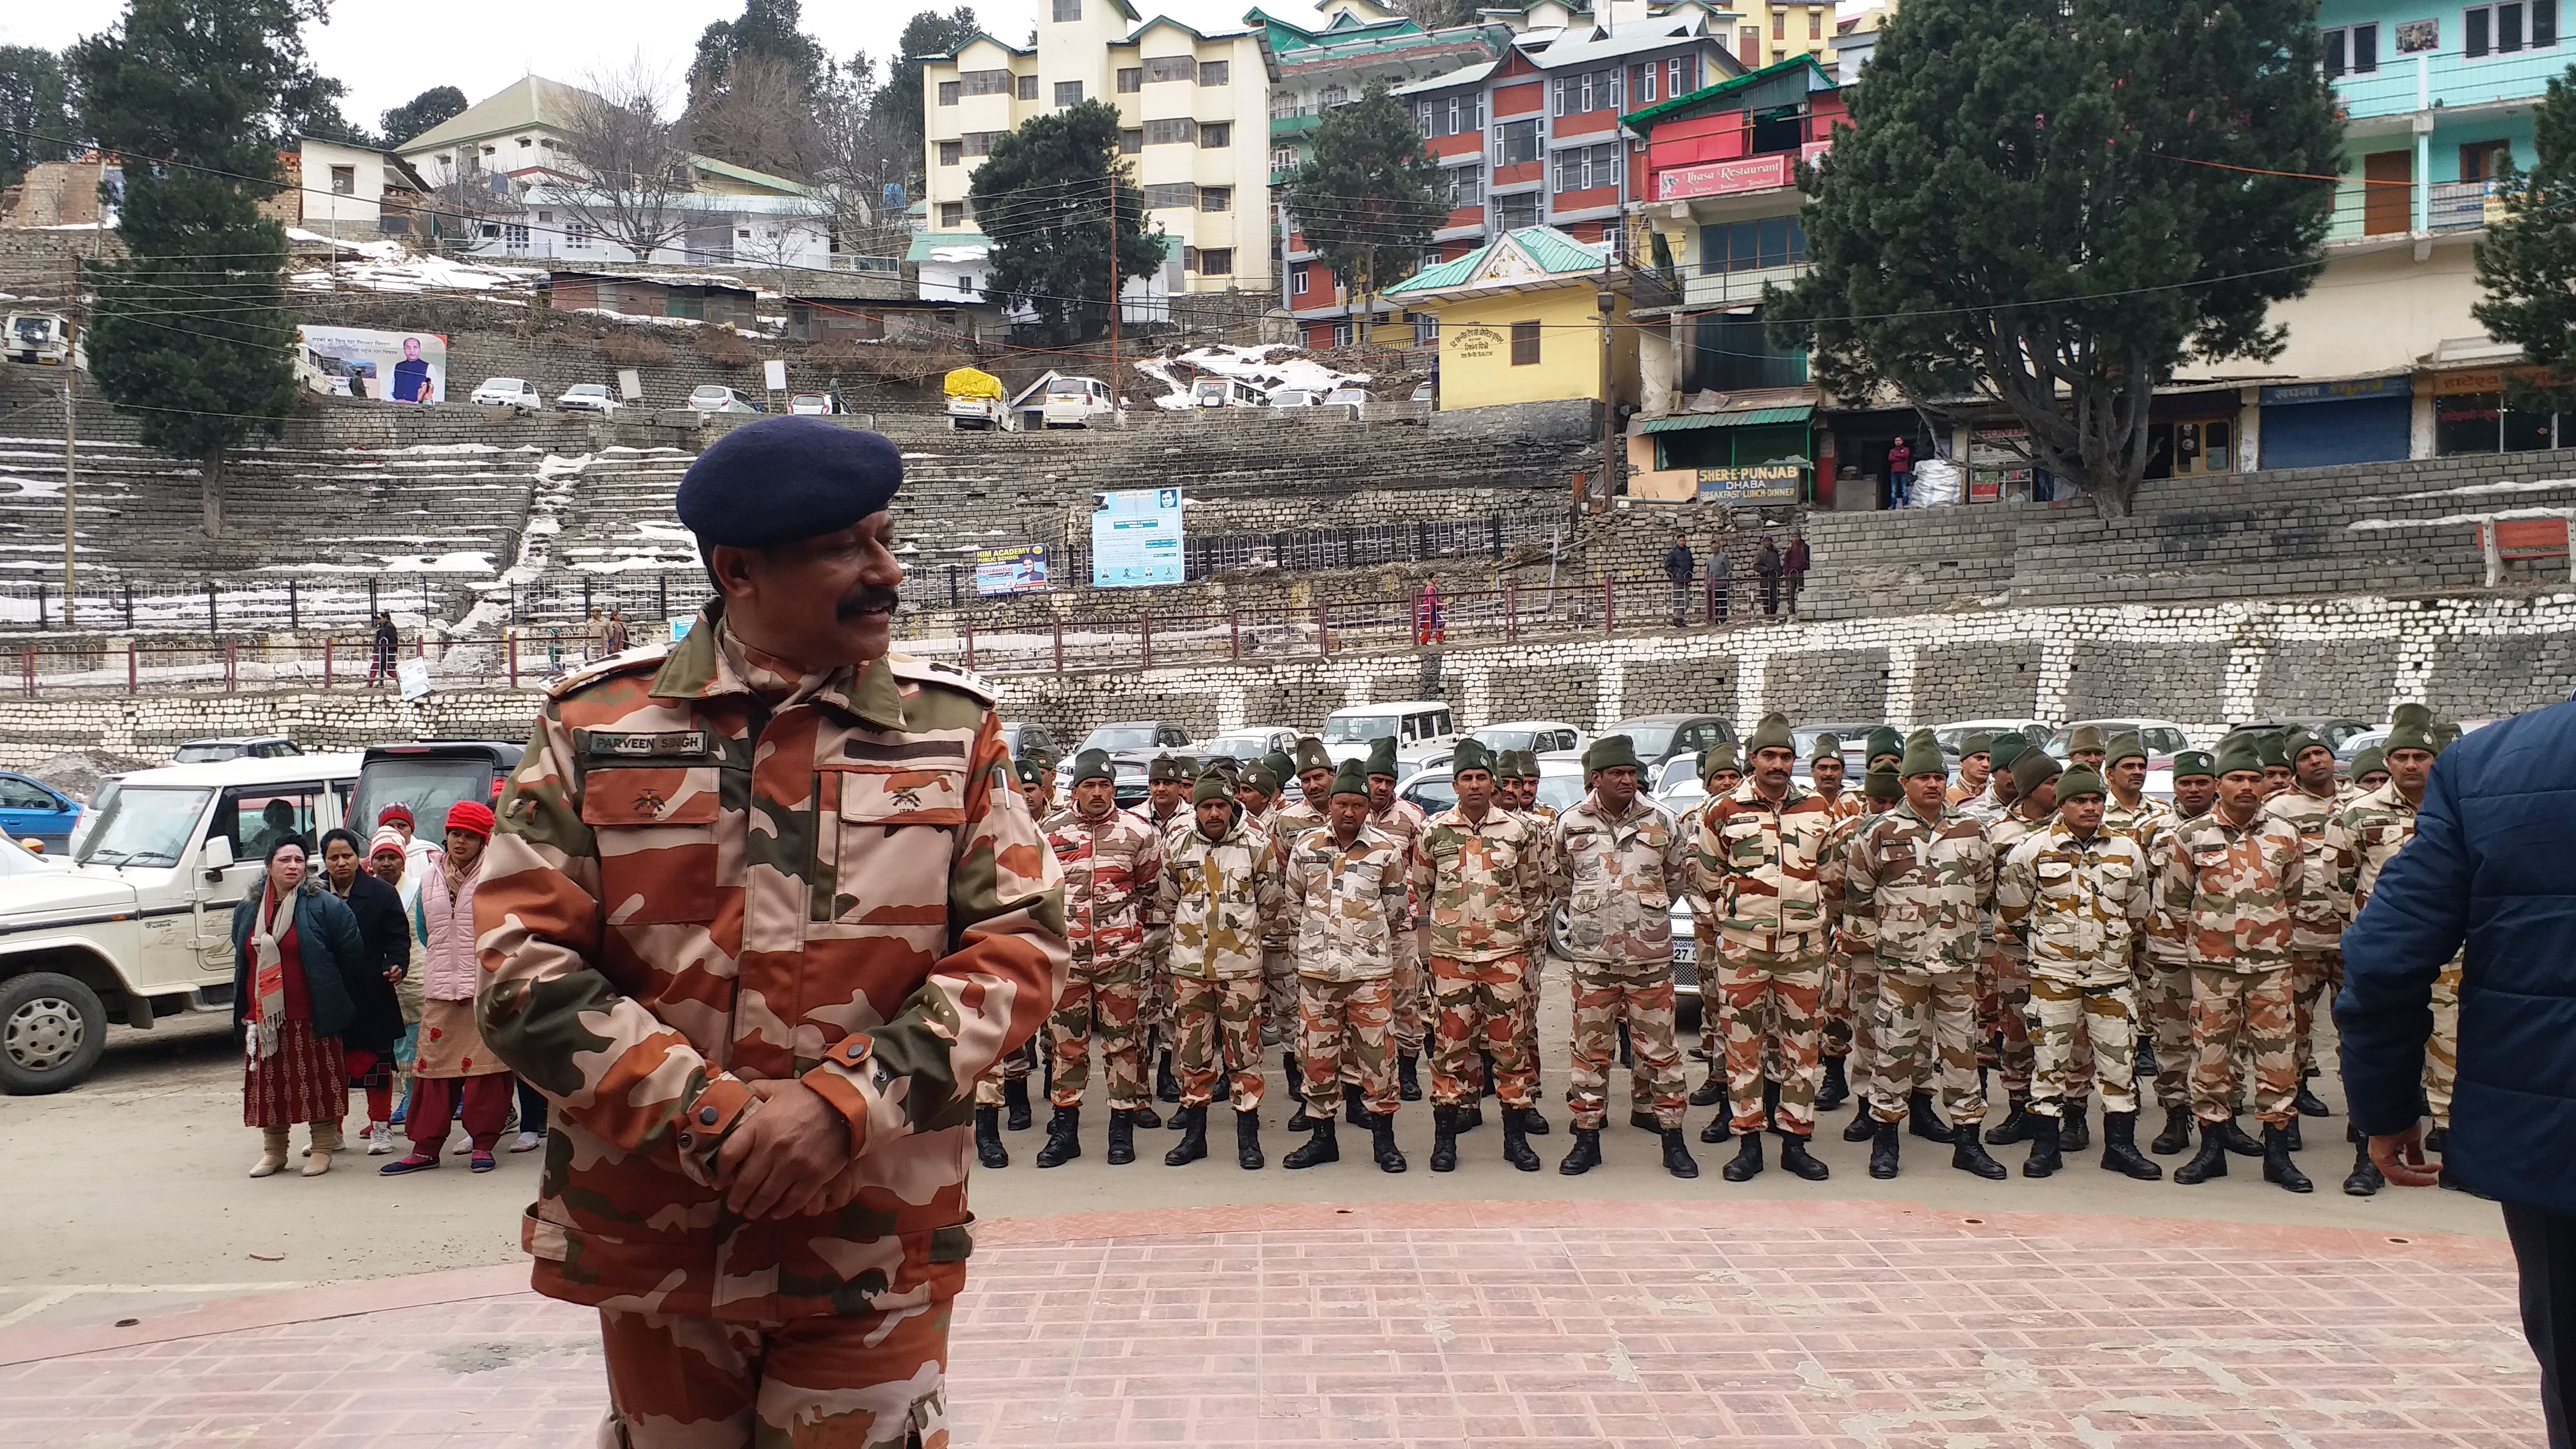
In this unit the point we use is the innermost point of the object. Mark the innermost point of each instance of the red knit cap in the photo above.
(395, 811)
(470, 815)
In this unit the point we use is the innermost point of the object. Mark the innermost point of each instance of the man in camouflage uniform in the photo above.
(2078, 895)
(2007, 962)
(2369, 772)
(1855, 962)
(2086, 747)
(2165, 995)
(1825, 774)
(1834, 1031)
(1314, 771)
(1221, 885)
(1757, 862)
(1110, 859)
(1516, 773)
(761, 908)
(1005, 1088)
(1477, 873)
(1400, 821)
(2233, 887)
(1976, 765)
(2316, 935)
(1347, 884)
(2360, 840)
(1915, 882)
(1617, 862)
(1719, 774)
(1998, 796)
(1166, 809)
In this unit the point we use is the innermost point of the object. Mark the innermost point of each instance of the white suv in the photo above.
(515, 393)
(714, 399)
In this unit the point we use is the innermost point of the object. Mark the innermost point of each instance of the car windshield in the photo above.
(1291, 398)
(1561, 792)
(1120, 737)
(140, 825)
(1439, 792)
(1500, 739)
(1068, 386)
(586, 389)
(502, 384)
(428, 786)
(1359, 727)
(207, 754)
(1242, 747)
(1651, 740)
(711, 393)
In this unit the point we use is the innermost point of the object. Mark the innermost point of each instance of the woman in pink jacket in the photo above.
(452, 1057)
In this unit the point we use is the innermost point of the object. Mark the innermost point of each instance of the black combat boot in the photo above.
(1223, 1091)
(1677, 1158)
(1320, 1146)
(2177, 1133)
(2438, 1141)
(1470, 1117)
(1516, 1148)
(1795, 1157)
(1883, 1150)
(2277, 1166)
(1354, 1111)
(2120, 1147)
(1968, 1154)
(2236, 1140)
(1643, 1119)
(1712, 1091)
(1864, 1124)
(1532, 1124)
(1748, 1160)
(2210, 1161)
(989, 1151)
(2045, 1141)
(1925, 1123)
(2310, 1104)
(2291, 1131)
(1837, 1087)
(1298, 1121)
(1193, 1143)
(2074, 1133)
(1166, 1086)
(1015, 1103)
(1408, 1080)
(1586, 1154)
(1770, 1105)
(1382, 1142)
(2366, 1177)
(1064, 1138)
(1247, 1142)
(1122, 1136)
(1720, 1127)
(1444, 1139)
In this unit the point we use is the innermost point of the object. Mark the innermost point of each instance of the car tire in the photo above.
(52, 1030)
(1559, 922)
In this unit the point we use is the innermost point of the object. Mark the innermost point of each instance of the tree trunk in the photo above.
(212, 495)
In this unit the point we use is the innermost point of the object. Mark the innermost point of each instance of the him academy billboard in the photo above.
(403, 367)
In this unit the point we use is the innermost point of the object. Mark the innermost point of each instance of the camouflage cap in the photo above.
(1977, 743)
(1351, 779)
(2238, 753)
(1882, 786)
(1610, 752)
(1312, 756)
(1828, 747)
(2086, 739)
(2127, 744)
(1211, 786)
(1922, 756)
(2082, 780)
(1260, 777)
(1717, 757)
(1884, 740)
(2005, 748)
(1280, 766)
(1381, 756)
(2032, 769)
(2369, 761)
(1093, 765)
(1470, 755)
(2195, 764)
(1771, 734)
(1168, 770)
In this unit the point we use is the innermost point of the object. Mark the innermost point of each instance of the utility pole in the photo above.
(71, 440)
(1117, 414)
(1606, 301)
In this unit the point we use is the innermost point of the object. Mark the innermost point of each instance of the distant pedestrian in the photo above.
(387, 641)
(389, 860)
(1900, 472)
(1679, 566)
(1430, 618)
(1766, 566)
(1721, 582)
(453, 1060)
(376, 1025)
(1796, 567)
(294, 947)
(617, 636)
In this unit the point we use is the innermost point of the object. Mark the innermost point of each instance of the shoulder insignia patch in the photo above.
(647, 661)
(933, 671)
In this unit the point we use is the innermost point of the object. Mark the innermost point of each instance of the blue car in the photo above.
(31, 808)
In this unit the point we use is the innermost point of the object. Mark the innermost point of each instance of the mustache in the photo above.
(868, 600)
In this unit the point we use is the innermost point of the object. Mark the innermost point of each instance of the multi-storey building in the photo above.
(1314, 69)
(1193, 109)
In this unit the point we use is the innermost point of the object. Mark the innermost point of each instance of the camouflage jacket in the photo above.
(1220, 897)
(1834, 874)
(1915, 887)
(1289, 824)
(1109, 870)
(1618, 875)
(2151, 824)
(710, 872)
(1983, 807)
(1350, 903)
(2078, 906)
(2006, 829)
(1703, 917)
(2315, 926)
(1481, 887)
(2232, 890)
(2360, 840)
(1760, 866)
(1180, 819)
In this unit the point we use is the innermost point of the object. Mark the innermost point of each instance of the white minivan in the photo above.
(1348, 733)
(1072, 402)
(1224, 392)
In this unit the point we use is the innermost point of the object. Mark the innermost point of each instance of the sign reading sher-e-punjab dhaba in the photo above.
(1751, 483)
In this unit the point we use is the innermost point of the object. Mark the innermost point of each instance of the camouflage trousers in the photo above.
(2164, 998)
(1773, 997)
(1279, 1007)
(1927, 1029)
(1216, 1028)
(2066, 1016)
(2442, 1048)
(1346, 1026)
(1477, 1007)
(1013, 1067)
(2315, 977)
(865, 1379)
(1711, 1037)
(2003, 1006)
(1154, 1004)
(1101, 1000)
(1863, 1026)
(2251, 1007)
(1412, 995)
(1641, 992)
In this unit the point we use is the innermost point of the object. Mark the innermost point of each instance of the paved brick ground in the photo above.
(1856, 1325)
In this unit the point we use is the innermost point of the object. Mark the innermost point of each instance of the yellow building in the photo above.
(1519, 321)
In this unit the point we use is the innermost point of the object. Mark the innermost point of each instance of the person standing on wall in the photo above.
(1721, 581)
(1766, 567)
(1679, 565)
(1795, 566)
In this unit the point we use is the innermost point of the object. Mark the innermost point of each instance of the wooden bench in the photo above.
(2505, 540)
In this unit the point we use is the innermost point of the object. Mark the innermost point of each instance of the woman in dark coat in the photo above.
(384, 937)
(295, 947)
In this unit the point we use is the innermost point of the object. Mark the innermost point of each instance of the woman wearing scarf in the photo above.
(295, 948)
(452, 1057)
(384, 938)
(389, 860)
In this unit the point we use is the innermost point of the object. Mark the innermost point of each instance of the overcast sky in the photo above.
(386, 54)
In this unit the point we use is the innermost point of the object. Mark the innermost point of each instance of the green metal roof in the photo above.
(1555, 254)
(1747, 81)
(926, 242)
(1749, 418)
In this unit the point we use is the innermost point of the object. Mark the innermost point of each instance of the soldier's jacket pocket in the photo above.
(656, 829)
(898, 829)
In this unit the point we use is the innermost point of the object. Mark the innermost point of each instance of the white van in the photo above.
(140, 924)
(1072, 402)
(1224, 392)
(1348, 733)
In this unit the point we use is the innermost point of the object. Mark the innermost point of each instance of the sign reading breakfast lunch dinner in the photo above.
(1751, 483)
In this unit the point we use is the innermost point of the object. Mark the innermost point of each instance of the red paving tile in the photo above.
(1850, 1325)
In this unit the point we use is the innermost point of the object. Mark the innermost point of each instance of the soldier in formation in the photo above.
(2316, 934)
(1354, 929)
(1220, 886)
(1165, 809)
(1399, 821)
(1109, 859)
(1477, 872)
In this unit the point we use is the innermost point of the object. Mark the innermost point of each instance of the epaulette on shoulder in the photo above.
(932, 671)
(645, 659)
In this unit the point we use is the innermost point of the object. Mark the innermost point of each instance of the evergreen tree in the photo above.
(2527, 263)
(1371, 196)
(928, 33)
(2053, 203)
(770, 29)
(191, 332)
(35, 111)
(422, 113)
(1044, 198)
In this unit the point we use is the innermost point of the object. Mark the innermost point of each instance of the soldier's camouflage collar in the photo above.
(697, 669)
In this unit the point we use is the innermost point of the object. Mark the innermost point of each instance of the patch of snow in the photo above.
(1268, 369)
(2450, 520)
(34, 487)
(446, 563)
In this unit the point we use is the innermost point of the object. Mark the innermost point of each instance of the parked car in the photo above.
(1224, 392)
(515, 393)
(30, 809)
(1138, 740)
(1423, 392)
(1546, 736)
(1073, 402)
(2333, 729)
(1349, 733)
(1350, 397)
(2162, 737)
(1659, 737)
(1295, 397)
(429, 776)
(812, 405)
(17, 860)
(1251, 742)
(209, 750)
(1953, 736)
(713, 399)
(2356, 743)
(1023, 739)
(588, 397)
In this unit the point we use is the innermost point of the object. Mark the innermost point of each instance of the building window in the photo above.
(1426, 328)
(1518, 210)
(2481, 423)
(1524, 344)
(1171, 68)
(1297, 281)
(1815, 24)
(2352, 50)
(1333, 95)
(1748, 45)
(1216, 198)
(1453, 116)
(1028, 88)
(1341, 334)
(1067, 10)
(979, 143)
(1216, 72)
(1584, 167)
(1284, 106)
(1591, 91)
(514, 235)
(2485, 160)
(1177, 132)
(344, 181)
(1215, 134)
(1216, 262)
(1750, 246)
(1779, 25)
(2502, 29)
(1131, 80)
(1283, 158)
(1130, 142)
(1168, 195)
(1681, 75)
(576, 238)
(1516, 143)
(1466, 186)
(948, 93)
(950, 153)
(952, 215)
(1068, 93)
(987, 82)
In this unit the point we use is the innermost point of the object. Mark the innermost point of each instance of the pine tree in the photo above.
(1370, 197)
(422, 113)
(35, 111)
(2527, 262)
(2051, 204)
(191, 332)
(1044, 198)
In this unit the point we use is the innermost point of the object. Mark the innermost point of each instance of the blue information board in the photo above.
(1136, 539)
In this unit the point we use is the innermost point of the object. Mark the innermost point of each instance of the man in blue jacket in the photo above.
(2489, 866)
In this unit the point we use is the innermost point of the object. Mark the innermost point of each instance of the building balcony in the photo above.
(2405, 84)
(1737, 289)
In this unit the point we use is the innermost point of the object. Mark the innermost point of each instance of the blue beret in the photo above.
(782, 479)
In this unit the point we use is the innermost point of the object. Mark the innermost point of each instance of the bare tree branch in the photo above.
(634, 166)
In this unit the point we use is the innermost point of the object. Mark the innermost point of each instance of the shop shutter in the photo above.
(2321, 435)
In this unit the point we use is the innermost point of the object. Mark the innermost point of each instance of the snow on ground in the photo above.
(1267, 368)
(389, 268)
(34, 487)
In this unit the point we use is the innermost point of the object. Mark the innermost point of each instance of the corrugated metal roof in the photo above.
(1749, 418)
(924, 243)
(1552, 251)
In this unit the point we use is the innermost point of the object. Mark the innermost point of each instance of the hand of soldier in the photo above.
(2400, 1157)
(784, 1155)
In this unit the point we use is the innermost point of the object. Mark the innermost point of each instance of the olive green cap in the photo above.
(2126, 745)
(1381, 756)
(2407, 736)
(1093, 765)
(1719, 756)
(2268, 749)
(1168, 770)
(1470, 755)
(1030, 771)
(1211, 786)
(1771, 734)
(2297, 742)
(1311, 755)
(1260, 777)
(2369, 761)
(2082, 780)
(1507, 766)
(2086, 737)
(2195, 763)
(1922, 756)
(2419, 715)
(2032, 769)
(1883, 786)
(1350, 779)
(1279, 765)
(1828, 747)
(1610, 752)
(2238, 752)
(2005, 748)
(1883, 740)
(1980, 743)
